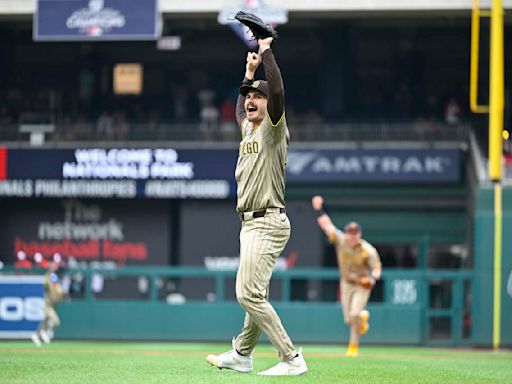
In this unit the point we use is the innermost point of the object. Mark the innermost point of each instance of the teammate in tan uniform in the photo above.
(260, 175)
(359, 266)
(53, 293)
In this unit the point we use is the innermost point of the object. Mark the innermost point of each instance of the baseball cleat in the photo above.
(294, 367)
(231, 360)
(352, 351)
(36, 340)
(365, 326)
(45, 337)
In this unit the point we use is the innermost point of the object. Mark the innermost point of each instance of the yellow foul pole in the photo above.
(496, 110)
(496, 92)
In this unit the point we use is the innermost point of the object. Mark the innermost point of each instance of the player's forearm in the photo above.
(240, 110)
(275, 85)
(330, 232)
(376, 272)
(327, 226)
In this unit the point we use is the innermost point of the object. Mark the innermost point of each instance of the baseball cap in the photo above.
(352, 227)
(257, 85)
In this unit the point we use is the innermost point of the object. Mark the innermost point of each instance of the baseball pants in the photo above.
(51, 319)
(353, 299)
(261, 242)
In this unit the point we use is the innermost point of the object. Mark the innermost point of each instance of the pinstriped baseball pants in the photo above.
(261, 242)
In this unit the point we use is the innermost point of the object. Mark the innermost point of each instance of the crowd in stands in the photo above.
(212, 113)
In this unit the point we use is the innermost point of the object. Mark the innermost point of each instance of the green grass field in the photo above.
(118, 362)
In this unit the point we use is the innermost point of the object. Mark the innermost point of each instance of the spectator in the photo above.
(120, 126)
(228, 126)
(105, 126)
(452, 112)
(209, 121)
(22, 262)
(5, 117)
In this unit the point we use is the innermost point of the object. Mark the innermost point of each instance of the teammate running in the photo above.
(359, 266)
(53, 293)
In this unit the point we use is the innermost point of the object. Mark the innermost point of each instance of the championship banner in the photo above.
(89, 20)
(21, 305)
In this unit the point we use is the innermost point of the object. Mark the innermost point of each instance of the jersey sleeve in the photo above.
(338, 238)
(275, 106)
(373, 258)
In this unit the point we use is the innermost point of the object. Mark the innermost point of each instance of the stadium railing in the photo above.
(369, 131)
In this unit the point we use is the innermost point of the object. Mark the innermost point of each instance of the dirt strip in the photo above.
(331, 355)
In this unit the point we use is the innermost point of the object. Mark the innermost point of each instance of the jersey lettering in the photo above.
(249, 148)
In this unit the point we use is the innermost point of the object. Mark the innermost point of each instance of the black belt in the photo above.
(261, 213)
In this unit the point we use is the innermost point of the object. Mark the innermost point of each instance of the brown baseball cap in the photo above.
(352, 227)
(257, 85)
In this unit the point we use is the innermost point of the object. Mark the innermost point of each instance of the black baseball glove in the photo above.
(259, 29)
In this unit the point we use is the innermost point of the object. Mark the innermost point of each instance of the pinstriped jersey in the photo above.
(260, 169)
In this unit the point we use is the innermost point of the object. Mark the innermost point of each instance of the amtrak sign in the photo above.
(373, 166)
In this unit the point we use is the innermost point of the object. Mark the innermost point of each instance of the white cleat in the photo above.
(36, 340)
(294, 367)
(45, 337)
(231, 360)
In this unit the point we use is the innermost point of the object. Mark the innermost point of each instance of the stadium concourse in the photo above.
(118, 146)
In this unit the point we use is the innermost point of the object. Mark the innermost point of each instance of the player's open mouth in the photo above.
(251, 108)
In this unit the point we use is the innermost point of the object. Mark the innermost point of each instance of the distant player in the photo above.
(360, 267)
(53, 293)
(265, 226)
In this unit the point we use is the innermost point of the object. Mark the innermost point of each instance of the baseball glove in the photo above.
(367, 282)
(259, 29)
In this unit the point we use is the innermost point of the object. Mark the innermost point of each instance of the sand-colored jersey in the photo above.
(52, 289)
(260, 169)
(356, 262)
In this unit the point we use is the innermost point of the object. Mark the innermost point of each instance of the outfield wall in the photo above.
(484, 268)
(305, 322)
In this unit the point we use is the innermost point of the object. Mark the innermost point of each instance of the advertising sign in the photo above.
(203, 173)
(21, 305)
(374, 165)
(118, 173)
(110, 232)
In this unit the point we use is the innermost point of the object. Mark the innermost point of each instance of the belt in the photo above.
(246, 216)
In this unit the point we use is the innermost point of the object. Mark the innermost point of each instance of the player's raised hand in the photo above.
(264, 44)
(324, 222)
(317, 202)
(253, 60)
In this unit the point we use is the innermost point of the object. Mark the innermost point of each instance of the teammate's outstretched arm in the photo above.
(324, 221)
(252, 62)
(275, 105)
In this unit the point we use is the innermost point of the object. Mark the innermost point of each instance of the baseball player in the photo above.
(53, 293)
(360, 267)
(265, 228)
